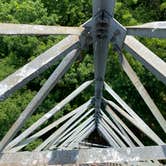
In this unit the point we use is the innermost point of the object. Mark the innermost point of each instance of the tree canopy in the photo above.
(16, 51)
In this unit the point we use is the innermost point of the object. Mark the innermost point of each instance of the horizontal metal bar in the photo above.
(84, 156)
(37, 66)
(40, 96)
(25, 29)
(153, 29)
(48, 115)
(152, 62)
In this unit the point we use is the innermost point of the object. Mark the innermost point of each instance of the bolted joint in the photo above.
(102, 24)
(86, 39)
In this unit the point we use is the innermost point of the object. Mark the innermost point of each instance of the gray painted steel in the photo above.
(48, 115)
(41, 95)
(100, 31)
(72, 128)
(152, 29)
(51, 138)
(82, 135)
(37, 66)
(24, 29)
(102, 12)
(142, 91)
(84, 156)
(140, 124)
(71, 136)
(116, 129)
(104, 122)
(129, 132)
(152, 62)
(107, 136)
(43, 131)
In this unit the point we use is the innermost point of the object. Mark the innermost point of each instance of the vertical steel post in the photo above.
(102, 14)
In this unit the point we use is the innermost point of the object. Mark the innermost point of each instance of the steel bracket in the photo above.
(117, 34)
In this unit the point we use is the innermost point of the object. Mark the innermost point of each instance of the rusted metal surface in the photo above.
(24, 29)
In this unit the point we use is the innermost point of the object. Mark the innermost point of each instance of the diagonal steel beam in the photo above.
(43, 131)
(104, 122)
(139, 123)
(129, 132)
(152, 62)
(51, 138)
(71, 136)
(82, 135)
(26, 29)
(107, 136)
(113, 126)
(37, 66)
(72, 128)
(142, 91)
(48, 115)
(40, 96)
(152, 29)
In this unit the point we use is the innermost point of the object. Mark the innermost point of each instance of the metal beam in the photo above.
(48, 115)
(84, 156)
(37, 66)
(40, 96)
(102, 12)
(42, 132)
(113, 126)
(51, 138)
(129, 132)
(82, 135)
(142, 91)
(25, 29)
(71, 136)
(139, 123)
(107, 136)
(72, 128)
(104, 122)
(152, 29)
(152, 62)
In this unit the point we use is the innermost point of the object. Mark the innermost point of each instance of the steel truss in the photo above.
(65, 145)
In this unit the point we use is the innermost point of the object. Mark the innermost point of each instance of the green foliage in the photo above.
(17, 50)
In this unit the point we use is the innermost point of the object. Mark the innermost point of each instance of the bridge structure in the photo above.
(66, 144)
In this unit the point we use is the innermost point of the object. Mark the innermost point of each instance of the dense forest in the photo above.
(16, 51)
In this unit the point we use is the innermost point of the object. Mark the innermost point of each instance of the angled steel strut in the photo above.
(69, 131)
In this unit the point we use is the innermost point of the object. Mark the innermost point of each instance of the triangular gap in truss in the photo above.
(28, 132)
(128, 113)
(130, 134)
(157, 115)
(95, 139)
